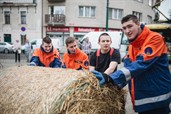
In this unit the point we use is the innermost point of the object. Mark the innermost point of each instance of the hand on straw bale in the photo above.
(41, 90)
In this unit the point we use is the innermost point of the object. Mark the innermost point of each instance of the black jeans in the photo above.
(17, 56)
(163, 110)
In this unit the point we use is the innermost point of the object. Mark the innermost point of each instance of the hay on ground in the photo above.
(40, 90)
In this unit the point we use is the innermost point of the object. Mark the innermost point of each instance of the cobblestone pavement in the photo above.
(10, 62)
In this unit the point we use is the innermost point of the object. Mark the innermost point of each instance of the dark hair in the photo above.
(129, 17)
(103, 34)
(70, 40)
(46, 40)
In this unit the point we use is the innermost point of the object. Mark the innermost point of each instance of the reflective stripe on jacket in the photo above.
(147, 72)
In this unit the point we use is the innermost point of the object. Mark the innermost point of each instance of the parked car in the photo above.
(6, 47)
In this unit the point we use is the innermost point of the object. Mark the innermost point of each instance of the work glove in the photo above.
(32, 64)
(102, 77)
(63, 65)
(80, 68)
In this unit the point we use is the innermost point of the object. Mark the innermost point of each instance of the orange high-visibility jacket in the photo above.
(41, 58)
(77, 61)
(147, 72)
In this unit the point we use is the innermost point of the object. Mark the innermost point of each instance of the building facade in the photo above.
(62, 18)
(20, 20)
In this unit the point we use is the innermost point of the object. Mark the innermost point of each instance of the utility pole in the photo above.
(107, 13)
(42, 18)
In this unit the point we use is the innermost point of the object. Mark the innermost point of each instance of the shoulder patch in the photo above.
(148, 51)
(86, 63)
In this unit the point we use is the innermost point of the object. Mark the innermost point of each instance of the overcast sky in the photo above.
(165, 8)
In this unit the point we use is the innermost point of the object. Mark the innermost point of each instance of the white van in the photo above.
(117, 39)
(35, 43)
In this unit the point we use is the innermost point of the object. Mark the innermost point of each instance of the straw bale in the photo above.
(40, 90)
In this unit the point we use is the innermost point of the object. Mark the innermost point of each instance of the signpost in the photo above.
(23, 29)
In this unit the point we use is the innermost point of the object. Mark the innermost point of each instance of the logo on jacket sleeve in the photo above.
(148, 50)
(86, 63)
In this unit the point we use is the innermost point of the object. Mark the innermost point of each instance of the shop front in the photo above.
(62, 33)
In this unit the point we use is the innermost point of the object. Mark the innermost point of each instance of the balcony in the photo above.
(55, 19)
(56, 0)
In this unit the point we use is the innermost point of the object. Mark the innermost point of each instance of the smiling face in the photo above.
(47, 47)
(105, 42)
(131, 29)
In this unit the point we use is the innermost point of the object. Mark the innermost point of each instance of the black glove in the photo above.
(107, 78)
(102, 77)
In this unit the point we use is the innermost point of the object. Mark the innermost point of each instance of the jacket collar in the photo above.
(44, 50)
(141, 38)
(77, 52)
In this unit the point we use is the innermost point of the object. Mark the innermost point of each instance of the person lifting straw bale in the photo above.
(40, 90)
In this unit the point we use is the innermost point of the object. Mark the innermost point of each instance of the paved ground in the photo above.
(7, 61)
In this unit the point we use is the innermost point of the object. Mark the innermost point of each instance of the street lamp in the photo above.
(107, 10)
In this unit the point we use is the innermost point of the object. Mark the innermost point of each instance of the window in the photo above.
(81, 11)
(115, 13)
(57, 10)
(138, 14)
(7, 37)
(23, 17)
(150, 2)
(139, 0)
(86, 11)
(149, 19)
(7, 17)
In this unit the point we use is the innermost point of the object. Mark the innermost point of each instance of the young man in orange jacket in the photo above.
(146, 69)
(46, 55)
(74, 58)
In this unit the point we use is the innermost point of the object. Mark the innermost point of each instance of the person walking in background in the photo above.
(78, 44)
(146, 69)
(86, 46)
(105, 59)
(17, 51)
(46, 55)
(74, 58)
(27, 50)
(58, 44)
